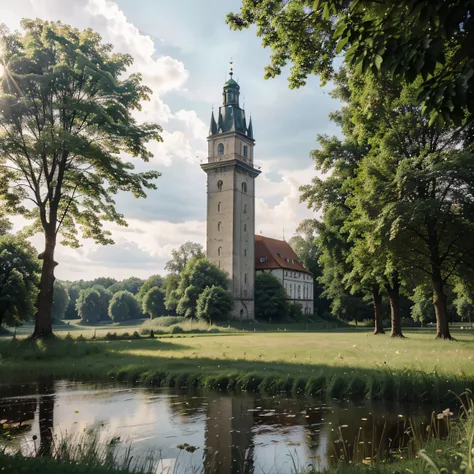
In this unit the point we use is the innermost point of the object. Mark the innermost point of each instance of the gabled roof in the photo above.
(273, 254)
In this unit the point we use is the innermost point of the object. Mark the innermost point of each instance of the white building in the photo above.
(278, 258)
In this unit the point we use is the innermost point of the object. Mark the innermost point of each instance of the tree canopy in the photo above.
(67, 109)
(214, 304)
(270, 298)
(181, 256)
(401, 39)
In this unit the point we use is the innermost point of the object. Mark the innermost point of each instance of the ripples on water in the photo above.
(232, 433)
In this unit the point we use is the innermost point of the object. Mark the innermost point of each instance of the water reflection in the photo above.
(241, 434)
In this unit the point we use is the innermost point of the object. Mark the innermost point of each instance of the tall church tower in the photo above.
(231, 198)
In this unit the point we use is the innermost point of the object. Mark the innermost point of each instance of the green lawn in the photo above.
(339, 363)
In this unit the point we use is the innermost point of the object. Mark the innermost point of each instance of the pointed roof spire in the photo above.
(213, 125)
(250, 129)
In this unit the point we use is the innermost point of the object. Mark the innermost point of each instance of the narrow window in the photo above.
(245, 278)
(246, 151)
(219, 226)
(220, 149)
(245, 227)
(219, 207)
(244, 187)
(219, 264)
(219, 251)
(299, 291)
(245, 252)
(291, 290)
(245, 208)
(219, 185)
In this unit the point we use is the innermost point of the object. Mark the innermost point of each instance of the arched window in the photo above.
(245, 208)
(219, 264)
(244, 187)
(219, 207)
(245, 227)
(245, 252)
(219, 251)
(246, 151)
(220, 149)
(219, 226)
(219, 185)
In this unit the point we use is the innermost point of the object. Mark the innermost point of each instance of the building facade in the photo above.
(230, 241)
(278, 258)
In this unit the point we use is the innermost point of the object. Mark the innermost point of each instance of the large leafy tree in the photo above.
(124, 306)
(132, 284)
(66, 113)
(181, 256)
(198, 274)
(89, 305)
(19, 276)
(155, 281)
(418, 188)
(401, 38)
(154, 302)
(271, 303)
(214, 304)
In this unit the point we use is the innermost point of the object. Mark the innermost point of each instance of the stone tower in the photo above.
(231, 198)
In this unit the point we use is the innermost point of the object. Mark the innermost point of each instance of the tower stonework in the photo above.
(231, 198)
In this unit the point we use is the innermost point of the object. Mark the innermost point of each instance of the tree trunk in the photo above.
(440, 304)
(44, 303)
(394, 297)
(377, 302)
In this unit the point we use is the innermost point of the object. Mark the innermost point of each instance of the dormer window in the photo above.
(220, 149)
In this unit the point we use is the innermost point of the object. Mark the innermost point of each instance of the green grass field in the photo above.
(348, 364)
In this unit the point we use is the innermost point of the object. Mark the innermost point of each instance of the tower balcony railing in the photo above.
(232, 156)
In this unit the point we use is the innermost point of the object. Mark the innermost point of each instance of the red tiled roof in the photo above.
(277, 254)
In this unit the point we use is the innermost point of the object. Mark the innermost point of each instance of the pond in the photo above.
(243, 433)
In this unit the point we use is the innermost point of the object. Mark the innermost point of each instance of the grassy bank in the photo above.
(338, 364)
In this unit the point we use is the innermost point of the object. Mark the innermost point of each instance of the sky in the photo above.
(183, 49)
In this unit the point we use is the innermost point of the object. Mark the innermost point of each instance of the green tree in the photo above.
(152, 282)
(418, 181)
(19, 276)
(181, 256)
(123, 307)
(60, 301)
(105, 282)
(88, 305)
(105, 297)
(271, 302)
(73, 290)
(171, 293)
(422, 310)
(214, 304)
(398, 38)
(66, 113)
(154, 303)
(197, 275)
(464, 301)
(132, 285)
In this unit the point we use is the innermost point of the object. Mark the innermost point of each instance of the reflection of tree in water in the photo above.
(17, 412)
(187, 406)
(229, 438)
(46, 416)
(373, 432)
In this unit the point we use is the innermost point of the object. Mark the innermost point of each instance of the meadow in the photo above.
(337, 363)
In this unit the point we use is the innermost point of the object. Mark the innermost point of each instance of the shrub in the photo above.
(176, 330)
(88, 305)
(123, 306)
